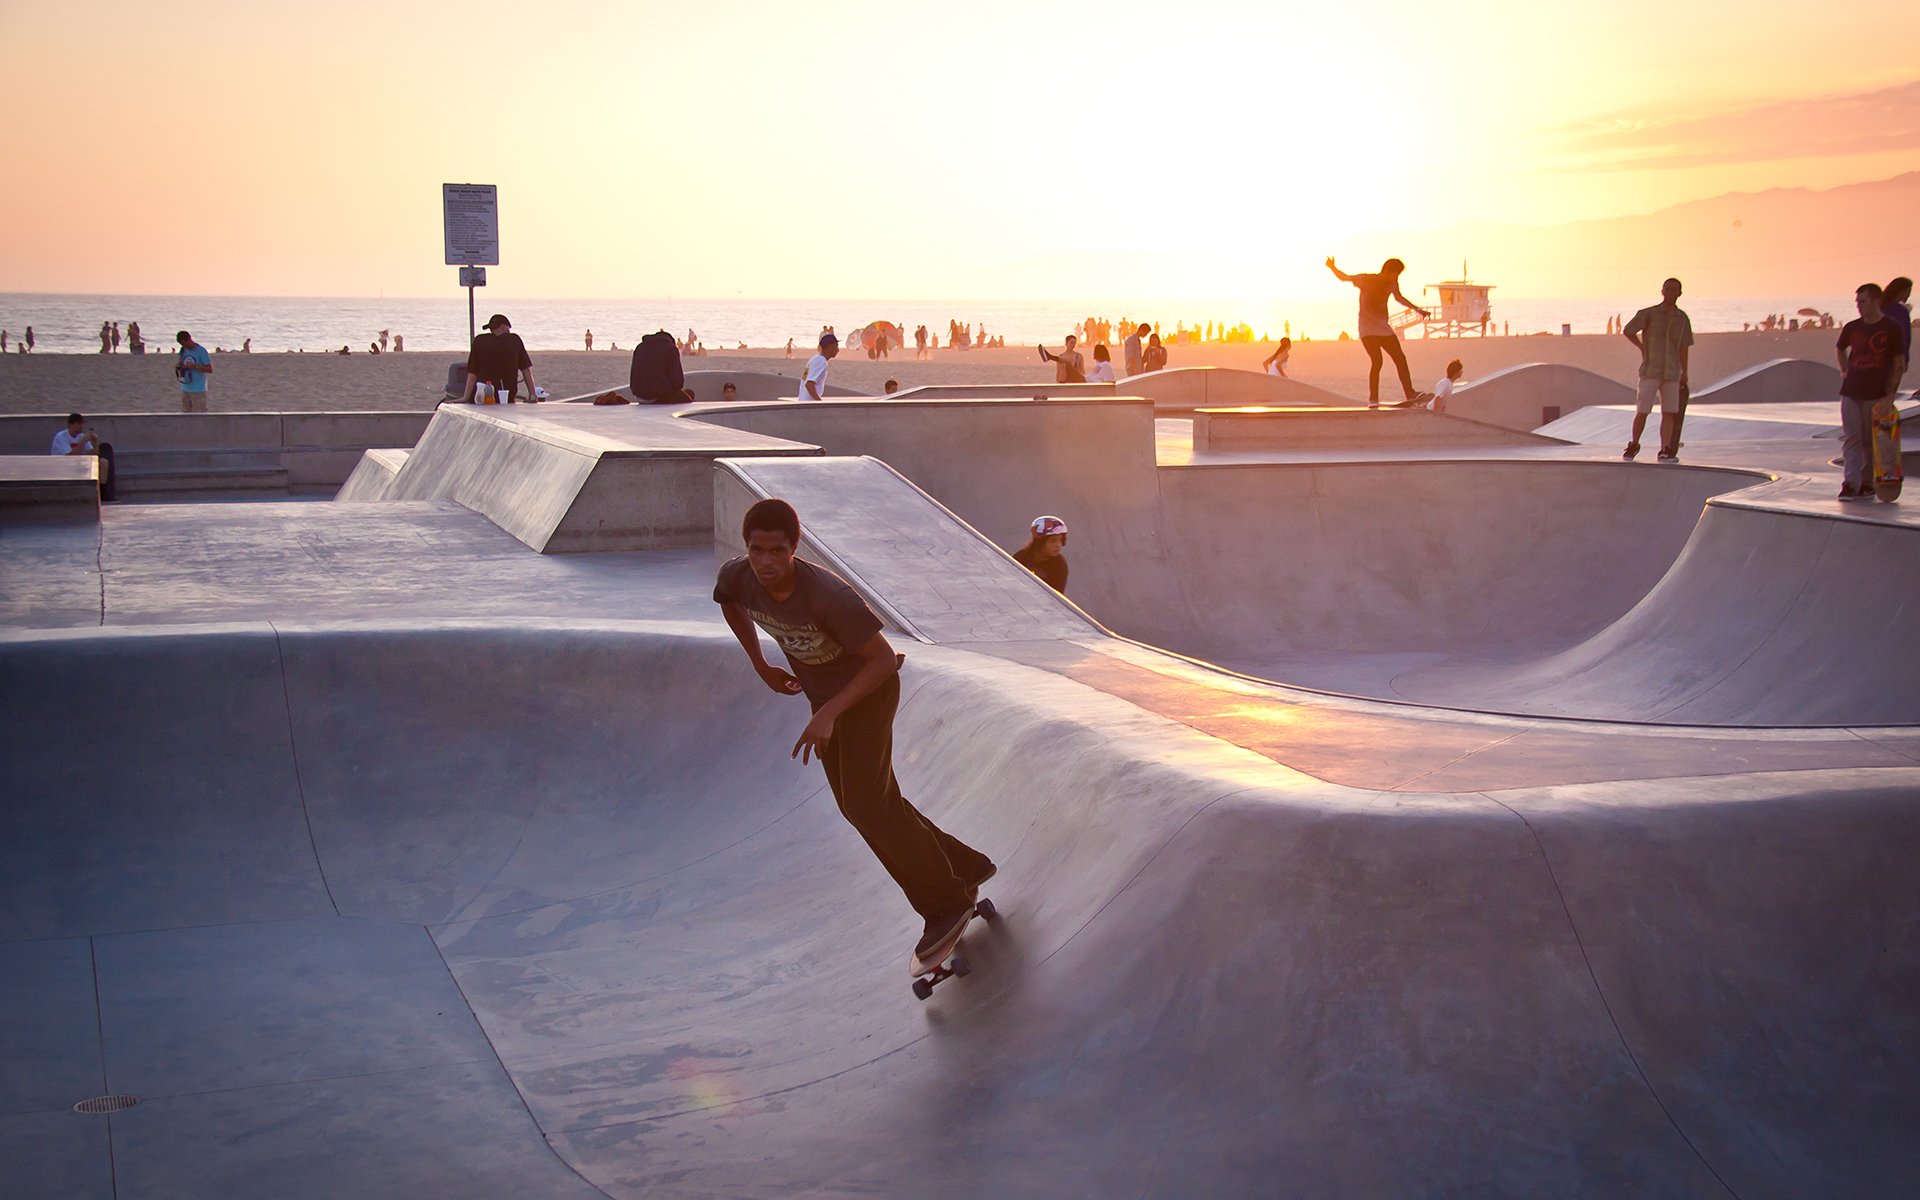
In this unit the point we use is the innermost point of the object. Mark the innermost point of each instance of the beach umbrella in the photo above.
(1808, 312)
(869, 336)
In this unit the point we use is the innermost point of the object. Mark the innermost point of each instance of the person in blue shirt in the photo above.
(191, 368)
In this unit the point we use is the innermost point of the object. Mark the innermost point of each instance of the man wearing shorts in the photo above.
(1662, 333)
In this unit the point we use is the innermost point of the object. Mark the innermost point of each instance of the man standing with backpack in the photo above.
(657, 377)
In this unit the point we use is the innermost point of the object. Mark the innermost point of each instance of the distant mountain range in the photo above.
(1778, 242)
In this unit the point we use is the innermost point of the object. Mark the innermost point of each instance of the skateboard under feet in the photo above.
(950, 960)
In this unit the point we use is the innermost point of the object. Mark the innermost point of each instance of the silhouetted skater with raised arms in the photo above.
(1376, 329)
(850, 674)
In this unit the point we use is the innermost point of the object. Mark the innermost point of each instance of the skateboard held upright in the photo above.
(1887, 473)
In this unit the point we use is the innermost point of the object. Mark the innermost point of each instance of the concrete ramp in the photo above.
(1767, 618)
(1530, 395)
(1182, 389)
(1776, 381)
(550, 912)
(568, 478)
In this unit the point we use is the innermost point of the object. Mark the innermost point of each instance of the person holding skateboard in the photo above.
(1873, 357)
(843, 662)
(1376, 329)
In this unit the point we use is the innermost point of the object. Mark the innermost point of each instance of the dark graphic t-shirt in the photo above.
(1870, 351)
(819, 627)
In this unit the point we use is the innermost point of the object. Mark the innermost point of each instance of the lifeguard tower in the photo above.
(1464, 308)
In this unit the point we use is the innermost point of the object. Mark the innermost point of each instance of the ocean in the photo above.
(70, 324)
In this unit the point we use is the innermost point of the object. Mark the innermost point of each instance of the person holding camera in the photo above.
(191, 367)
(79, 438)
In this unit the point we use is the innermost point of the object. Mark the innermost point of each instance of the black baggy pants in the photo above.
(931, 866)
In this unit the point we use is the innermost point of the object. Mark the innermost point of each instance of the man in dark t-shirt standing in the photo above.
(1873, 357)
(498, 357)
(850, 674)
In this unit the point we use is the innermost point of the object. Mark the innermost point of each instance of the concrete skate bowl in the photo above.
(1552, 589)
(1566, 590)
(549, 912)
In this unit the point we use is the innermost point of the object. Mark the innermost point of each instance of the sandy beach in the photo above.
(123, 383)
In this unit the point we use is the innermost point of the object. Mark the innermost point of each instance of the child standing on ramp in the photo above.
(850, 674)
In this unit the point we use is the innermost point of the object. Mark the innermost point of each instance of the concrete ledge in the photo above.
(572, 478)
(373, 476)
(1007, 391)
(1324, 428)
(43, 488)
(706, 385)
(272, 452)
(1182, 389)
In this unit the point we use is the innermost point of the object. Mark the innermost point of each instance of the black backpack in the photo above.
(656, 377)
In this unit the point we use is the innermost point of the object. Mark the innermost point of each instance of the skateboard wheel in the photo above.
(922, 989)
(960, 966)
(985, 908)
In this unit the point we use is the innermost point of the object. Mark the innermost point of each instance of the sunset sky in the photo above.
(870, 149)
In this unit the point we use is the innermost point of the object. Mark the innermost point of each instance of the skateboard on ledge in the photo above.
(947, 958)
(1887, 472)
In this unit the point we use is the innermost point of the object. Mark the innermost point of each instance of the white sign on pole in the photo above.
(472, 223)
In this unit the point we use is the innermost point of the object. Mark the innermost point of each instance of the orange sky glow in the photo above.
(868, 149)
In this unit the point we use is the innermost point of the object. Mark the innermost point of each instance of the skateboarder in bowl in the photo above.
(843, 662)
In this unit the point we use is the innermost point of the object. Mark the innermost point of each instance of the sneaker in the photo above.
(1631, 452)
(940, 927)
(1848, 494)
(1667, 456)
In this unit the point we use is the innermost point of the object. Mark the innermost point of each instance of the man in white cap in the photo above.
(1045, 552)
(813, 385)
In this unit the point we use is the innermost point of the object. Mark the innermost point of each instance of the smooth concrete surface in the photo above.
(1530, 395)
(373, 476)
(206, 453)
(638, 953)
(41, 488)
(999, 464)
(1310, 428)
(1182, 389)
(384, 856)
(1776, 381)
(1037, 390)
(571, 478)
(707, 385)
(1610, 425)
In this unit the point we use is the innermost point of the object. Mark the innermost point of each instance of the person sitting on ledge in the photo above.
(1102, 366)
(77, 438)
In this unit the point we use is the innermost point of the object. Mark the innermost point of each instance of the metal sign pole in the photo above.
(471, 331)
